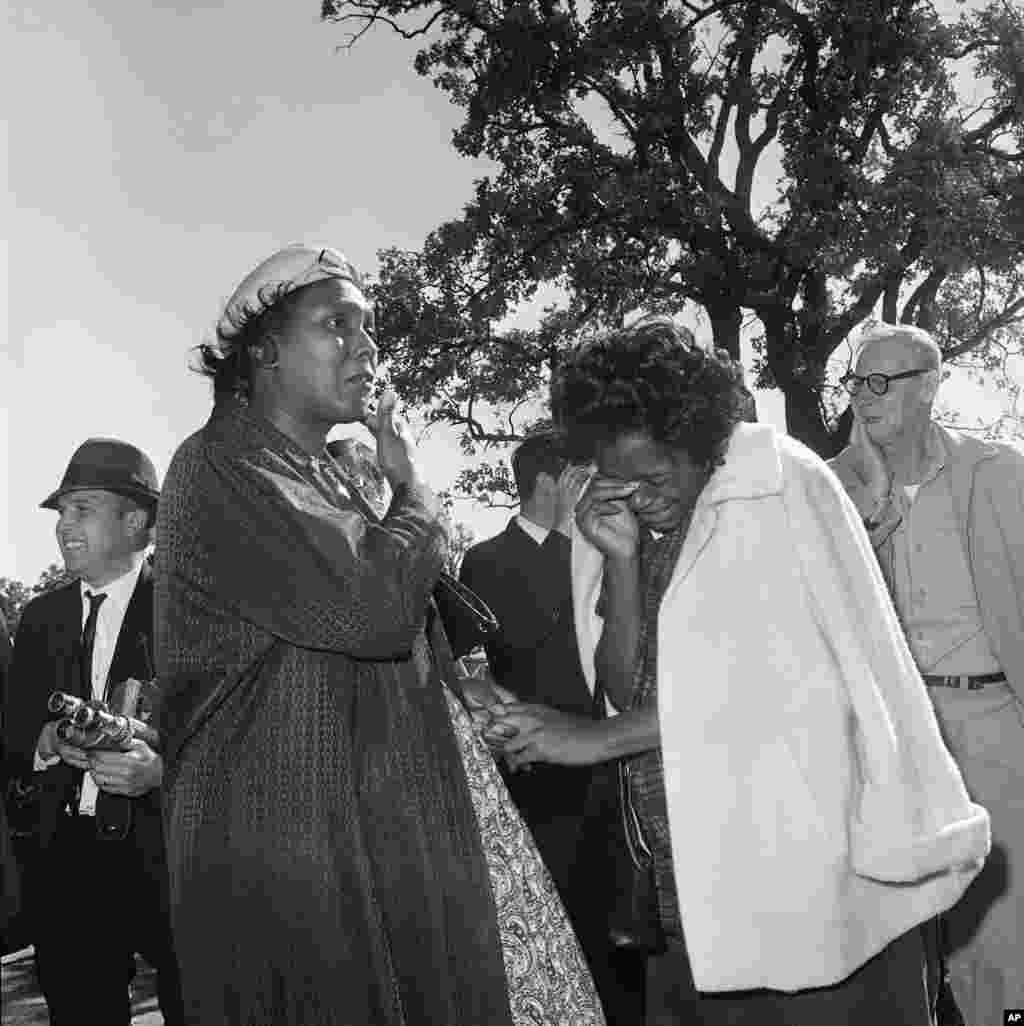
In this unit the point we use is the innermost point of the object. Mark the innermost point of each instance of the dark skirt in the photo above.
(325, 864)
(889, 990)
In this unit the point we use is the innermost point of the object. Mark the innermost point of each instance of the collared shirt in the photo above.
(933, 588)
(534, 530)
(108, 626)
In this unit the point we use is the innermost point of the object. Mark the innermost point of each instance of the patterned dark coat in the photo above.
(324, 857)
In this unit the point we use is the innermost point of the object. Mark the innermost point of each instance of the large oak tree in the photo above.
(800, 165)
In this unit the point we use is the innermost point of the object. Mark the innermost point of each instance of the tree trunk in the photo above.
(798, 368)
(805, 423)
(726, 321)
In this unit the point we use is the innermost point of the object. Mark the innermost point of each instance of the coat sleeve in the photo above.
(997, 559)
(912, 816)
(247, 534)
(27, 694)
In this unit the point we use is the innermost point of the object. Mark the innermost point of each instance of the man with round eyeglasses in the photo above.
(945, 513)
(878, 384)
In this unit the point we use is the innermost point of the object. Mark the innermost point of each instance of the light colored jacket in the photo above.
(988, 492)
(814, 810)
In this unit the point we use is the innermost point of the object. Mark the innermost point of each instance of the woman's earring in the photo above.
(268, 362)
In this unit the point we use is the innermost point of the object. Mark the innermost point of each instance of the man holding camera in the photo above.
(96, 888)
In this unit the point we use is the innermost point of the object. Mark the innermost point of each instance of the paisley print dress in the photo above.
(548, 980)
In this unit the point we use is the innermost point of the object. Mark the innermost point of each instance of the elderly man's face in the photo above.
(327, 360)
(907, 403)
(669, 483)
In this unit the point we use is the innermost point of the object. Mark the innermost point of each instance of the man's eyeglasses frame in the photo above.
(878, 384)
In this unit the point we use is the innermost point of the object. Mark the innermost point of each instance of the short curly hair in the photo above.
(652, 379)
(228, 360)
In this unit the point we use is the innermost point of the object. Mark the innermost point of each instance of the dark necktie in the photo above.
(89, 640)
(113, 811)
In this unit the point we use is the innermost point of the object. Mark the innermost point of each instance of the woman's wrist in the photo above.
(623, 572)
(629, 733)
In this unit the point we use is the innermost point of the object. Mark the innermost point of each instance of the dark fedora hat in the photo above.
(109, 465)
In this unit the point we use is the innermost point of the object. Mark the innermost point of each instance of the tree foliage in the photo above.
(797, 165)
(15, 595)
(460, 540)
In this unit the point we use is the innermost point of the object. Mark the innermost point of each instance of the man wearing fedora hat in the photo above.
(97, 890)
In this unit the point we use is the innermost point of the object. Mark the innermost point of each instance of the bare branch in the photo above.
(1014, 313)
(872, 292)
(718, 139)
(975, 44)
(370, 14)
(1004, 117)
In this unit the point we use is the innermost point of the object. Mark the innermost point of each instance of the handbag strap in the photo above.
(640, 852)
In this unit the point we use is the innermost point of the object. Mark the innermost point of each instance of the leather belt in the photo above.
(969, 682)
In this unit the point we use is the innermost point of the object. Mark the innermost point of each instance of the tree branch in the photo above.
(721, 127)
(872, 292)
(1003, 117)
(922, 298)
(370, 14)
(1011, 314)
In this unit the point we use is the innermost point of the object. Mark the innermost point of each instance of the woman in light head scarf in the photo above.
(340, 849)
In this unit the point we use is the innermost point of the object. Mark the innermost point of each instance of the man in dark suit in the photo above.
(97, 892)
(524, 575)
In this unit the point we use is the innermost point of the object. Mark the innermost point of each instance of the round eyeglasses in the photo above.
(878, 384)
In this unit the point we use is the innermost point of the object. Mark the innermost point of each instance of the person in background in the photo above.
(945, 512)
(524, 576)
(785, 762)
(98, 894)
(341, 847)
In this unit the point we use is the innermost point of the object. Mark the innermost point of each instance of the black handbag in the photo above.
(622, 866)
(467, 620)
(634, 922)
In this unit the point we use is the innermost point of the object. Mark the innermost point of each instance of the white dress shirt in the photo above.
(108, 626)
(535, 531)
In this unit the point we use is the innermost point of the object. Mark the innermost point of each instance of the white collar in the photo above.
(752, 468)
(534, 530)
(119, 591)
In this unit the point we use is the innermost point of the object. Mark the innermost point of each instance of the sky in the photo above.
(156, 152)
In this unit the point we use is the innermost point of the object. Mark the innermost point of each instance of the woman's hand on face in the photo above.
(570, 485)
(605, 519)
(396, 451)
(543, 734)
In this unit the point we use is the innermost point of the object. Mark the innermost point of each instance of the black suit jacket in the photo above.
(529, 588)
(47, 658)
